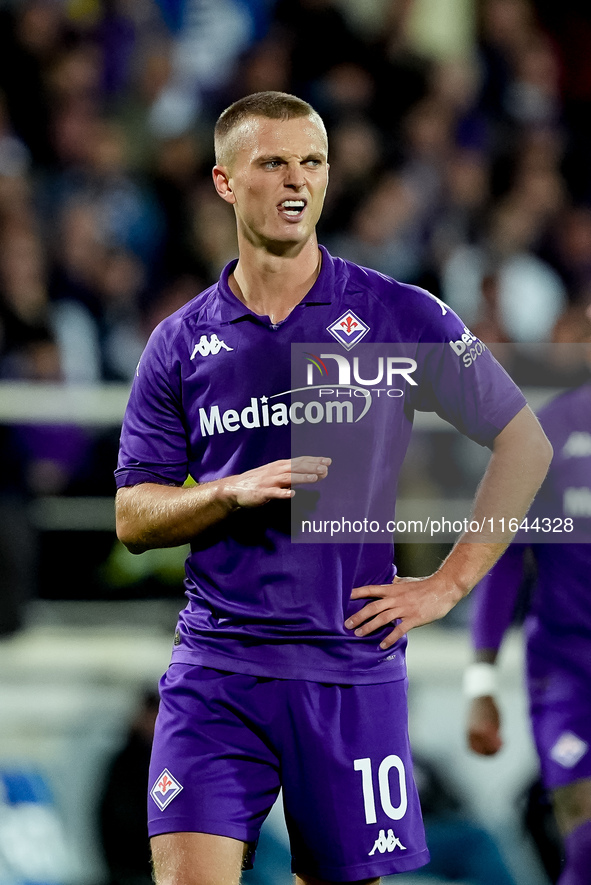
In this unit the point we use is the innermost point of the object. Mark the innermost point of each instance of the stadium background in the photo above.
(459, 161)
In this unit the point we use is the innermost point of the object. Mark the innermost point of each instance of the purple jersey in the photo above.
(559, 619)
(216, 393)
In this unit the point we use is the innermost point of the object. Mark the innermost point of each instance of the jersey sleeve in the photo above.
(494, 599)
(460, 379)
(153, 445)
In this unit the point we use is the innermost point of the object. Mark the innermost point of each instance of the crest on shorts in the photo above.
(568, 749)
(348, 329)
(165, 789)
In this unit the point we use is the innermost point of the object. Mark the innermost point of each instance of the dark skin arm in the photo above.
(484, 716)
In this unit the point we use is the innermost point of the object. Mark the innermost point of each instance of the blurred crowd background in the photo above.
(460, 154)
(460, 164)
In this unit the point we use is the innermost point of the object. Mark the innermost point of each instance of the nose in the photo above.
(294, 175)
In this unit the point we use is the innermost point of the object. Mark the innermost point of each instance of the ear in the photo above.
(222, 184)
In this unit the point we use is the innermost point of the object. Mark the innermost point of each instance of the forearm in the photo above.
(519, 462)
(152, 515)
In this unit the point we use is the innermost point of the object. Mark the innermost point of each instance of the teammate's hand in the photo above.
(275, 480)
(484, 726)
(411, 601)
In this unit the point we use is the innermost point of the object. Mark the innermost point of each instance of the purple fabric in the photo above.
(558, 624)
(560, 711)
(494, 600)
(578, 856)
(226, 742)
(215, 393)
(559, 620)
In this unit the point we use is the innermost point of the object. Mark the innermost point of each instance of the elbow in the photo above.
(524, 439)
(128, 538)
(543, 452)
(128, 529)
(537, 456)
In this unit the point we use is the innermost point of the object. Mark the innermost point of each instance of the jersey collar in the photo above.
(233, 310)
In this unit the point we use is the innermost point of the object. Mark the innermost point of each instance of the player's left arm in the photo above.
(521, 455)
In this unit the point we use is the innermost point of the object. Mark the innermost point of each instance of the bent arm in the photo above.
(519, 462)
(152, 515)
(495, 599)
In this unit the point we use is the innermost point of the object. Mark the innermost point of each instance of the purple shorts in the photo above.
(225, 744)
(560, 709)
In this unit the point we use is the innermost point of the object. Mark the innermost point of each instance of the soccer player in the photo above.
(288, 665)
(557, 627)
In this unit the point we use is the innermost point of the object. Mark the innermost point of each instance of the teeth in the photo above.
(293, 204)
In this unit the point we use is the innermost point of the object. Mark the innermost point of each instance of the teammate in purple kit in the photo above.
(288, 663)
(557, 628)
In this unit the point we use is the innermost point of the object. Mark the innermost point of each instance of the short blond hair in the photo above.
(270, 105)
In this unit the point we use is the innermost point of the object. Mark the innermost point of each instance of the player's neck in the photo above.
(272, 285)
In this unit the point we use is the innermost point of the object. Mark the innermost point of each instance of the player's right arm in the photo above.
(153, 507)
(494, 603)
(152, 515)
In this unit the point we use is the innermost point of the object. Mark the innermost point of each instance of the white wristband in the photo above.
(480, 680)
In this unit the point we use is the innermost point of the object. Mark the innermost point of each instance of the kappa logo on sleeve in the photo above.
(348, 329)
(206, 346)
(165, 789)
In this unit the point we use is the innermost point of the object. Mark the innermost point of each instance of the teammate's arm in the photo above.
(493, 609)
(151, 515)
(520, 459)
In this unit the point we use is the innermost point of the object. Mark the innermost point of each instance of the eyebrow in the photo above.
(315, 155)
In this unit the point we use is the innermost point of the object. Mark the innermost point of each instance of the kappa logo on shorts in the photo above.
(386, 843)
(568, 749)
(165, 789)
(348, 329)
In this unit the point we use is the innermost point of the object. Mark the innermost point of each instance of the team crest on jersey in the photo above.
(348, 329)
(568, 749)
(165, 789)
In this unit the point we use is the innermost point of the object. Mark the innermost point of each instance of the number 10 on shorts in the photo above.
(394, 812)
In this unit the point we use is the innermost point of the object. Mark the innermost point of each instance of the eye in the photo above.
(272, 164)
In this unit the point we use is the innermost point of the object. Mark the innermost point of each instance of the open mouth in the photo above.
(292, 208)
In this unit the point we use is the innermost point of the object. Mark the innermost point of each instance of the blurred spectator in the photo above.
(213, 230)
(570, 248)
(460, 849)
(356, 157)
(15, 157)
(527, 295)
(539, 822)
(464, 199)
(385, 231)
(24, 306)
(18, 539)
(122, 331)
(208, 37)
(122, 808)
(31, 35)
(320, 39)
(179, 167)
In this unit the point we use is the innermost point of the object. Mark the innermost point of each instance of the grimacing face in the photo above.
(275, 175)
